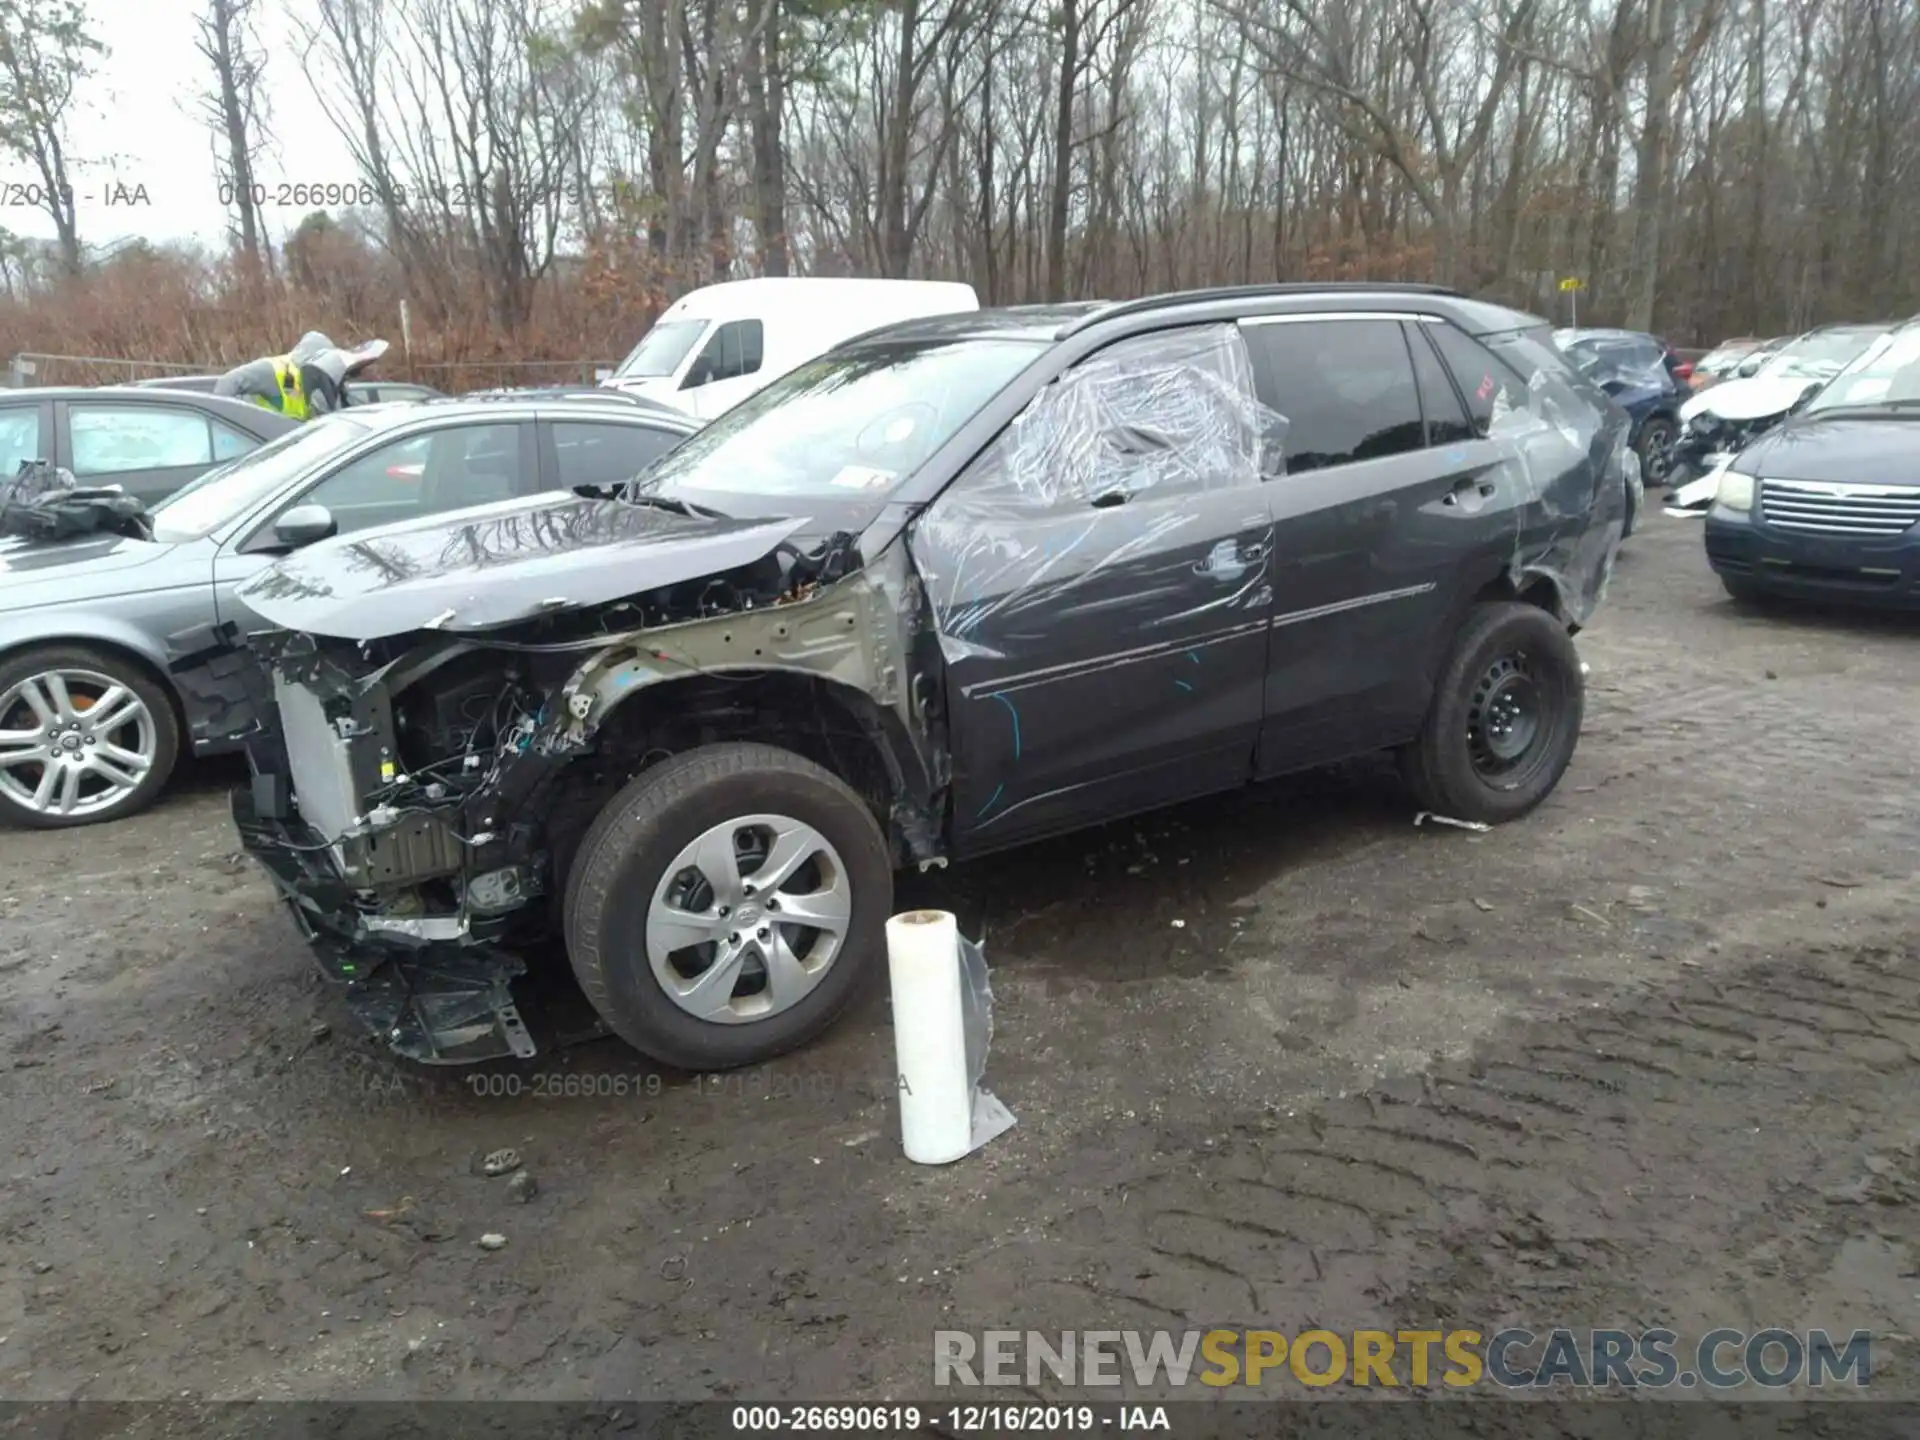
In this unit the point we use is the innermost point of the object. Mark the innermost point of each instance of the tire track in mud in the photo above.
(1532, 1179)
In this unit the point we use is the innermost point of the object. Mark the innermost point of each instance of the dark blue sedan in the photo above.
(1645, 378)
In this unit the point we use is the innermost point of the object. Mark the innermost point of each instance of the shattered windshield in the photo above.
(229, 491)
(1887, 372)
(850, 424)
(661, 350)
(1818, 356)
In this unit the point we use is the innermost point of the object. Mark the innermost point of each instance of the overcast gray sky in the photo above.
(136, 122)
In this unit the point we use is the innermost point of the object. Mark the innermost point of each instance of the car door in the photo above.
(726, 370)
(1387, 493)
(1098, 583)
(148, 449)
(451, 467)
(601, 453)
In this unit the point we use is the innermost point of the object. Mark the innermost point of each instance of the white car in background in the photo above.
(1715, 423)
(713, 348)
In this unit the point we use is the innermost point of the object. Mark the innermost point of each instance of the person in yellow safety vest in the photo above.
(308, 380)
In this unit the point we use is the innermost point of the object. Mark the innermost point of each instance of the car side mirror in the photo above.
(303, 525)
(1747, 368)
(1807, 395)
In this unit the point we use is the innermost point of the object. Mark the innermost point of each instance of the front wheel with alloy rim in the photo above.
(1504, 718)
(85, 737)
(1655, 449)
(727, 904)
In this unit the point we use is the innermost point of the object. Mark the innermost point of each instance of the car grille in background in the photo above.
(1839, 509)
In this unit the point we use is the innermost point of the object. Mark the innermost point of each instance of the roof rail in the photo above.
(1254, 292)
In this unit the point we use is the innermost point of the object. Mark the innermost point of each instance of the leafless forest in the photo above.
(537, 176)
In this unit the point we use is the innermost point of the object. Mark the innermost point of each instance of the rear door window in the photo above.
(1447, 420)
(606, 455)
(1488, 383)
(1346, 387)
(229, 443)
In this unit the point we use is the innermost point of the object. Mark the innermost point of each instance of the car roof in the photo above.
(515, 406)
(225, 405)
(1847, 327)
(1609, 333)
(758, 295)
(1111, 319)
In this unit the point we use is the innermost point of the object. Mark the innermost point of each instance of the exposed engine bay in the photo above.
(419, 795)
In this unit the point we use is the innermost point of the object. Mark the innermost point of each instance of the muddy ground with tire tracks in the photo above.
(1649, 1057)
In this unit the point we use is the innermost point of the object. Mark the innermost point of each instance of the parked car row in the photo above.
(684, 696)
(1821, 499)
(1768, 387)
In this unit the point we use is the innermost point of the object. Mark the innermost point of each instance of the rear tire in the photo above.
(92, 737)
(654, 908)
(1504, 719)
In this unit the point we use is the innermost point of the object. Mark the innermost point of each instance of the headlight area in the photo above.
(377, 808)
(1735, 492)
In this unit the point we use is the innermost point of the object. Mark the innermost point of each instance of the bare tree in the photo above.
(231, 108)
(46, 49)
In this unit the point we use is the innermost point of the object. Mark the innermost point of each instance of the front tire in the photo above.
(86, 737)
(1743, 592)
(1655, 449)
(727, 905)
(1504, 718)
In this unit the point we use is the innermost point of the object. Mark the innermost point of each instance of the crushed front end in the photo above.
(420, 783)
(374, 828)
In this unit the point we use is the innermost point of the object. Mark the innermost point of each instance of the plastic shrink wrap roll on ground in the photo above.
(942, 1024)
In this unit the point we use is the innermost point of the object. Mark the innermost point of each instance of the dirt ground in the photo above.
(1648, 1057)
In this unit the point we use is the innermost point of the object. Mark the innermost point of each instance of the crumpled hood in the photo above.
(1754, 398)
(499, 564)
(1858, 450)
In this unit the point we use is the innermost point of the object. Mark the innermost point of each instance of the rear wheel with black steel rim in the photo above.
(1504, 718)
(727, 905)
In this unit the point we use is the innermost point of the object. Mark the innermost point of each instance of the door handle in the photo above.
(1229, 559)
(1469, 490)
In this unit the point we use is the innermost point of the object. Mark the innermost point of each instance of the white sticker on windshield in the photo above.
(862, 477)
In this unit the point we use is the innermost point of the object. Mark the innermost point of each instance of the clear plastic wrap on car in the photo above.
(1150, 416)
(1565, 531)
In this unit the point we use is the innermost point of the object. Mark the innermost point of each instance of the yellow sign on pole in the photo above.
(1573, 282)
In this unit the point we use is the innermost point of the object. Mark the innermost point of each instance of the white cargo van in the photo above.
(714, 347)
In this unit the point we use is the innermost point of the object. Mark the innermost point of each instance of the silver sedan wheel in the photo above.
(748, 919)
(74, 742)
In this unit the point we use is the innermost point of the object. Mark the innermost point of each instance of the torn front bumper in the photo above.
(439, 1001)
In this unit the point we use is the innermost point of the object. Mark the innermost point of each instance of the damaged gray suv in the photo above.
(959, 584)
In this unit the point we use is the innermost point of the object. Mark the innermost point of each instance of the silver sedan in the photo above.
(90, 723)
